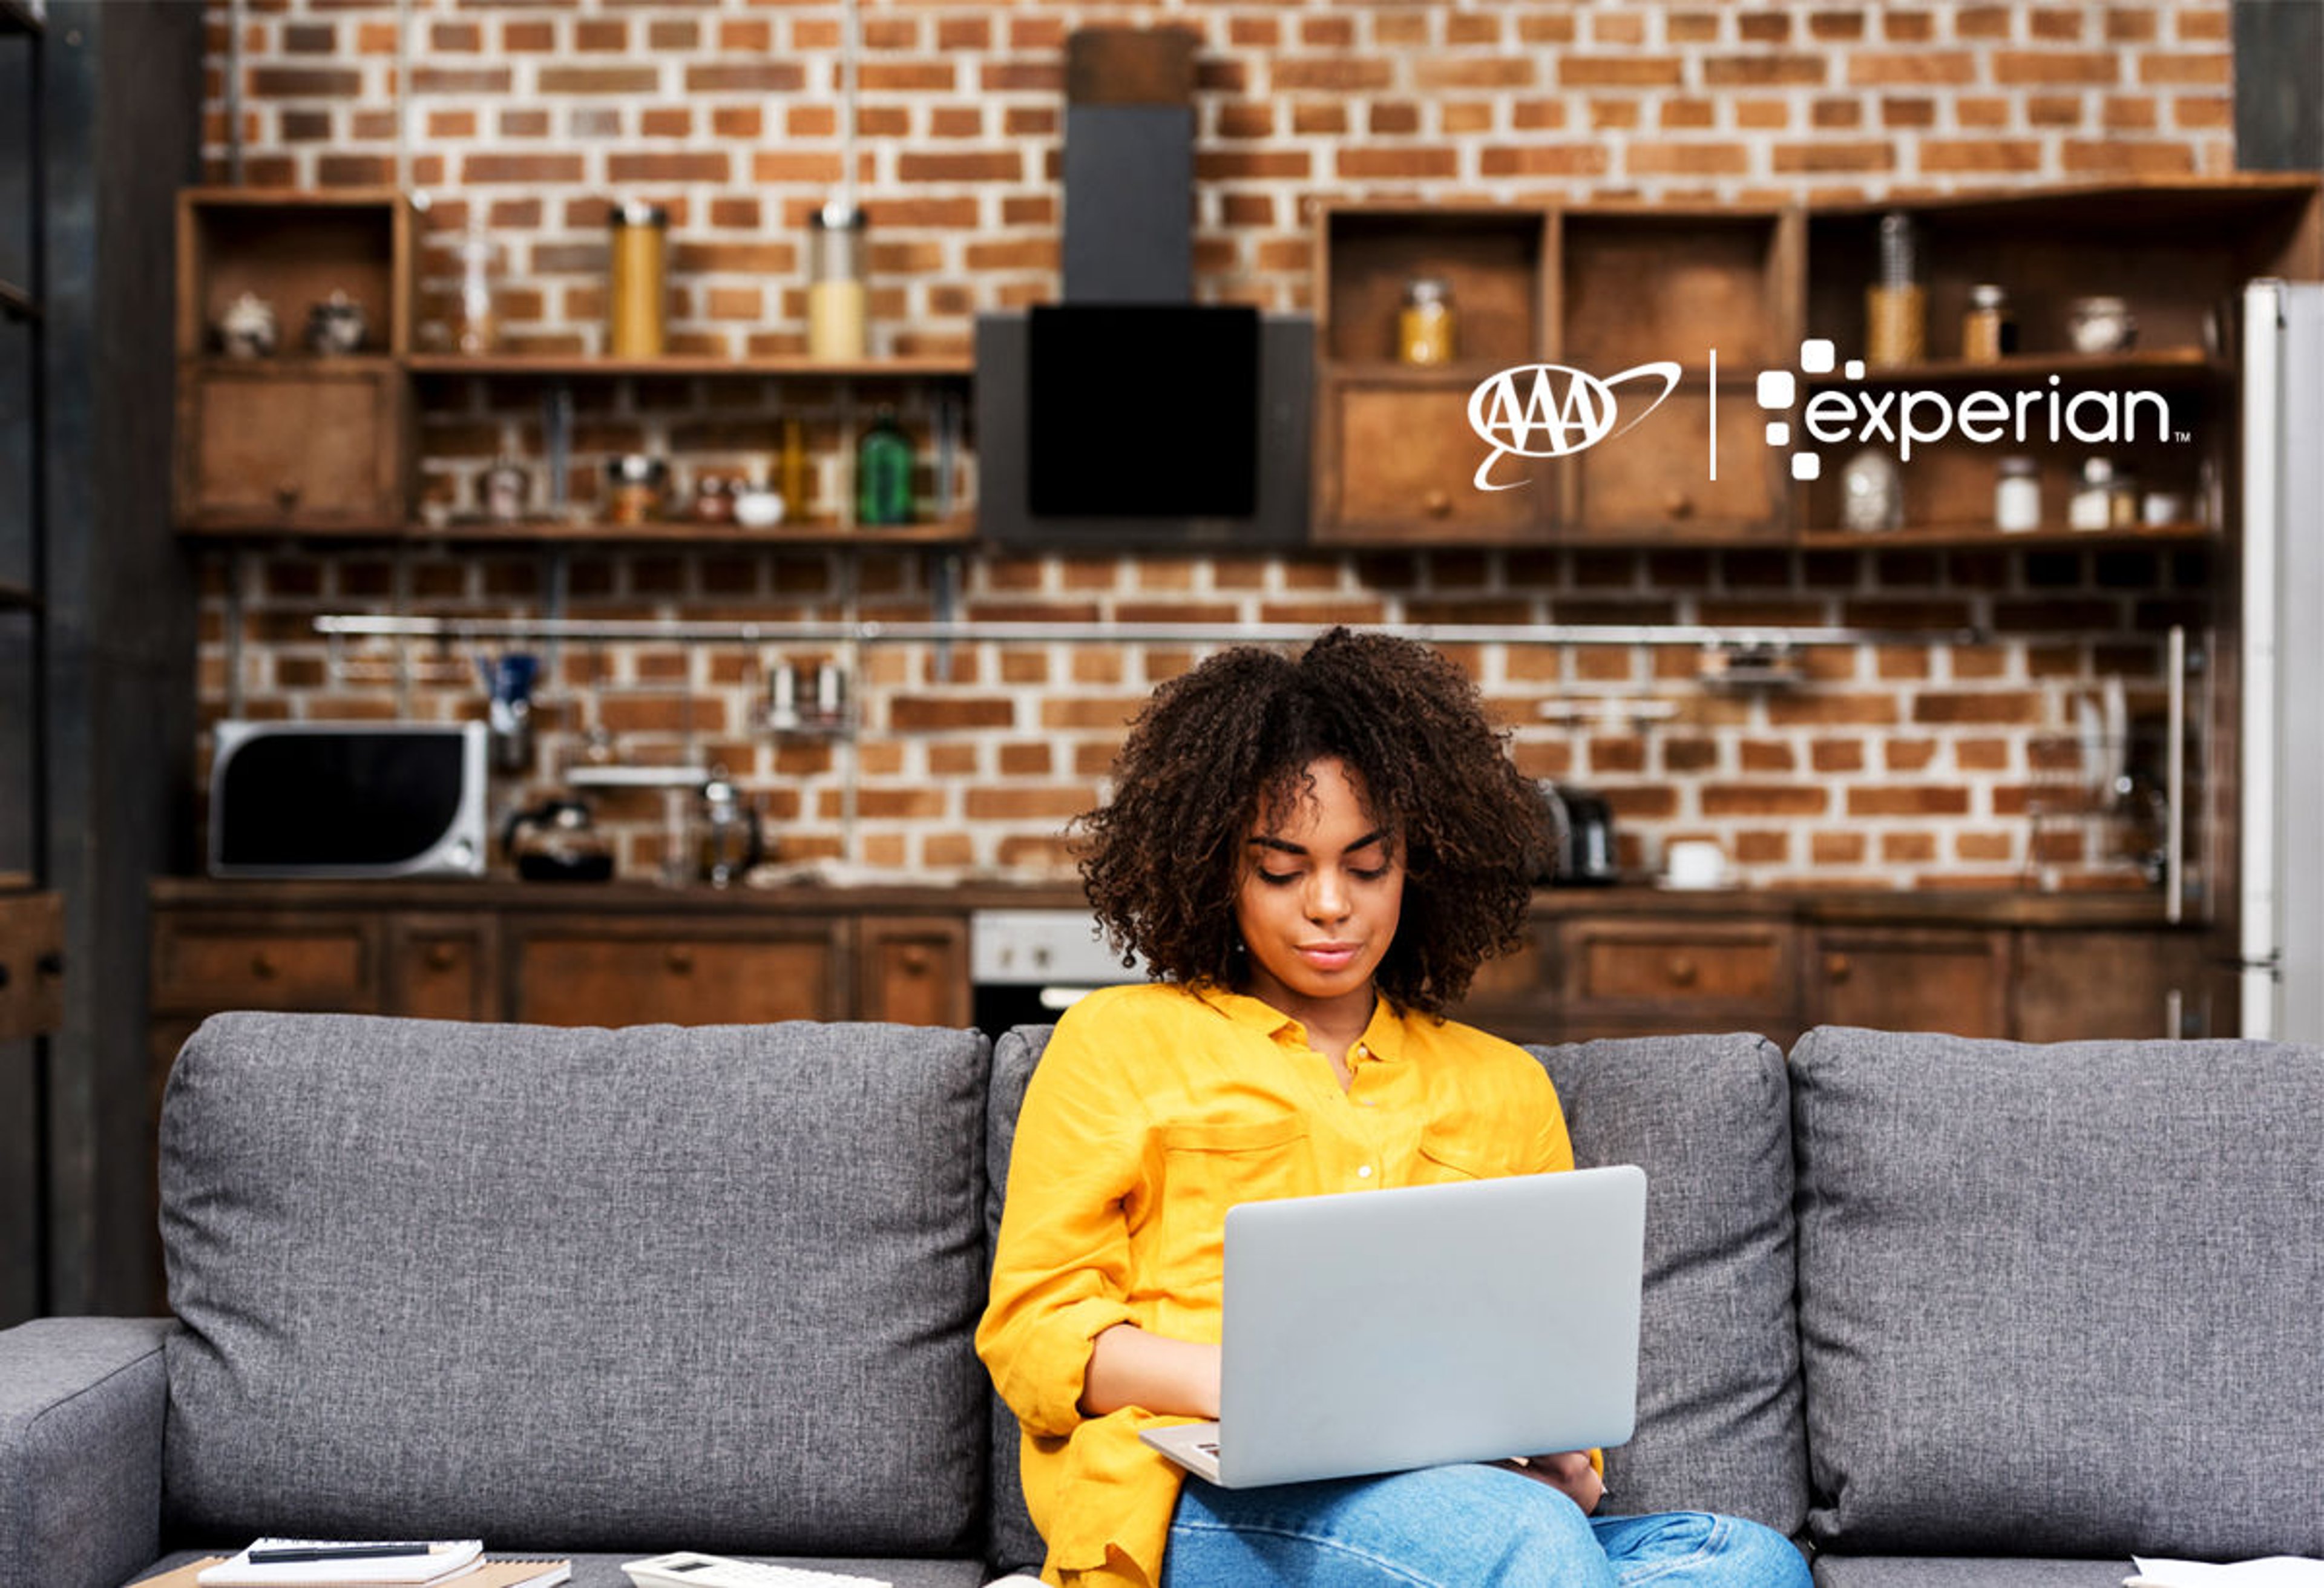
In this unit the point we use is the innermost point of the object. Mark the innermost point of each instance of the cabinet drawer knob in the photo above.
(441, 957)
(5, 976)
(1836, 966)
(1436, 504)
(286, 493)
(263, 965)
(1682, 971)
(1678, 504)
(50, 964)
(680, 960)
(915, 962)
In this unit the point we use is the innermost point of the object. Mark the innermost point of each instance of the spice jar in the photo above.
(2091, 506)
(2100, 325)
(633, 488)
(1425, 325)
(1896, 306)
(1871, 492)
(2018, 496)
(714, 499)
(2122, 500)
(504, 485)
(1988, 330)
(638, 297)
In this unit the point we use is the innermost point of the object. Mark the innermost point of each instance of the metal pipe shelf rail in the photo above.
(970, 632)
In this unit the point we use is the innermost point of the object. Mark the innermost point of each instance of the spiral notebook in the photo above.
(508, 1573)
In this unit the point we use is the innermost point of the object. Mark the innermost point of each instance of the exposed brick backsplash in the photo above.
(1905, 765)
(1898, 765)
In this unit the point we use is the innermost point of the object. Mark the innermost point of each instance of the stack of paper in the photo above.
(348, 1564)
(2275, 1571)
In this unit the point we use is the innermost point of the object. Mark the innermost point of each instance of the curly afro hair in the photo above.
(1228, 743)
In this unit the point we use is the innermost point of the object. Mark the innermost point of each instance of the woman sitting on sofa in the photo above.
(1312, 856)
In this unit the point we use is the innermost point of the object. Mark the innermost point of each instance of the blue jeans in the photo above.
(1457, 1527)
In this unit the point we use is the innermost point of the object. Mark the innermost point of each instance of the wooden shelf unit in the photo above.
(334, 448)
(1606, 288)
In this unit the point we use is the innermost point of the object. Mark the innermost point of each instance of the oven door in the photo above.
(1028, 966)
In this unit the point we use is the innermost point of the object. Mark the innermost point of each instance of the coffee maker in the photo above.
(1582, 824)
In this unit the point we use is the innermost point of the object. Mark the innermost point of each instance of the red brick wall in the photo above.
(1908, 765)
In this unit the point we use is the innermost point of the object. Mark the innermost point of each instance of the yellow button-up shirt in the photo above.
(1154, 1110)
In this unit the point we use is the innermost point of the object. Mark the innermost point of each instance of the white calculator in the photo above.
(687, 1569)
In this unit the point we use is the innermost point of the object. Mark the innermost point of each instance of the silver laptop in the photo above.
(1380, 1331)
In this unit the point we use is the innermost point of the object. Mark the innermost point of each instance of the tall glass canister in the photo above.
(835, 291)
(638, 294)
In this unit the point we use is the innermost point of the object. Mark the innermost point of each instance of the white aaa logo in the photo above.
(1559, 413)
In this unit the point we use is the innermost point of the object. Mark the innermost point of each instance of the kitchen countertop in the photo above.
(1883, 907)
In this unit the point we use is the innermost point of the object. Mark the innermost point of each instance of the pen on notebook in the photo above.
(309, 1551)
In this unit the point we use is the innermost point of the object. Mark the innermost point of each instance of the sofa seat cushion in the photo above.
(604, 1571)
(600, 1288)
(1709, 1119)
(2062, 1299)
(1947, 1571)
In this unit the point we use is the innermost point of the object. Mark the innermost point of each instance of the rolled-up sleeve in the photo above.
(1061, 1270)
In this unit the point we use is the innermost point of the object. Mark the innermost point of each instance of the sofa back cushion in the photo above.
(2064, 1299)
(582, 1289)
(1012, 1542)
(1709, 1119)
(1718, 1396)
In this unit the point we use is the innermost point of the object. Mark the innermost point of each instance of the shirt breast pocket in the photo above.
(1448, 1156)
(1208, 1168)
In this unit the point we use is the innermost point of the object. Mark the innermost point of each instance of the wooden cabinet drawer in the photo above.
(1400, 462)
(1613, 965)
(268, 445)
(31, 964)
(202, 966)
(1659, 484)
(440, 969)
(912, 970)
(639, 973)
(1912, 979)
(2083, 985)
(1515, 995)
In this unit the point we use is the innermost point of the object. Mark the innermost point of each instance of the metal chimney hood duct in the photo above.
(1129, 166)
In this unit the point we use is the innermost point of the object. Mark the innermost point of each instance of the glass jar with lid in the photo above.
(1425, 324)
(1988, 329)
(2018, 496)
(2091, 507)
(634, 489)
(638, 295)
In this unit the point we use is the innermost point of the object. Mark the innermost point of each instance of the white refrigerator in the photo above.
(2281, 777)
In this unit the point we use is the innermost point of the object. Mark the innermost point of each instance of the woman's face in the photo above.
(1321, 894)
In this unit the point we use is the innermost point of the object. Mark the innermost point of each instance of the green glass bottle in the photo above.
(883, 473)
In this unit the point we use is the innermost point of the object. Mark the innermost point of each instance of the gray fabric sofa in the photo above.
(1953, 1314)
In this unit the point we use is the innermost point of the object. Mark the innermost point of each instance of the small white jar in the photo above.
(2017, 496)
(2092, 506)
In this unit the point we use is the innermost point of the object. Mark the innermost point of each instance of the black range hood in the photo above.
(1128, 415)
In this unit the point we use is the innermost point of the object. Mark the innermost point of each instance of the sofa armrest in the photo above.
(82, 1402)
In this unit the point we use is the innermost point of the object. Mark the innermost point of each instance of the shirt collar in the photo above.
(1383, 1035)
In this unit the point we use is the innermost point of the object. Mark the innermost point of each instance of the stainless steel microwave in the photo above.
(347, 800)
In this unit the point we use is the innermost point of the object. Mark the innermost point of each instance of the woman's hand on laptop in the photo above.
(1129, 1366)
(1569, 1473)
